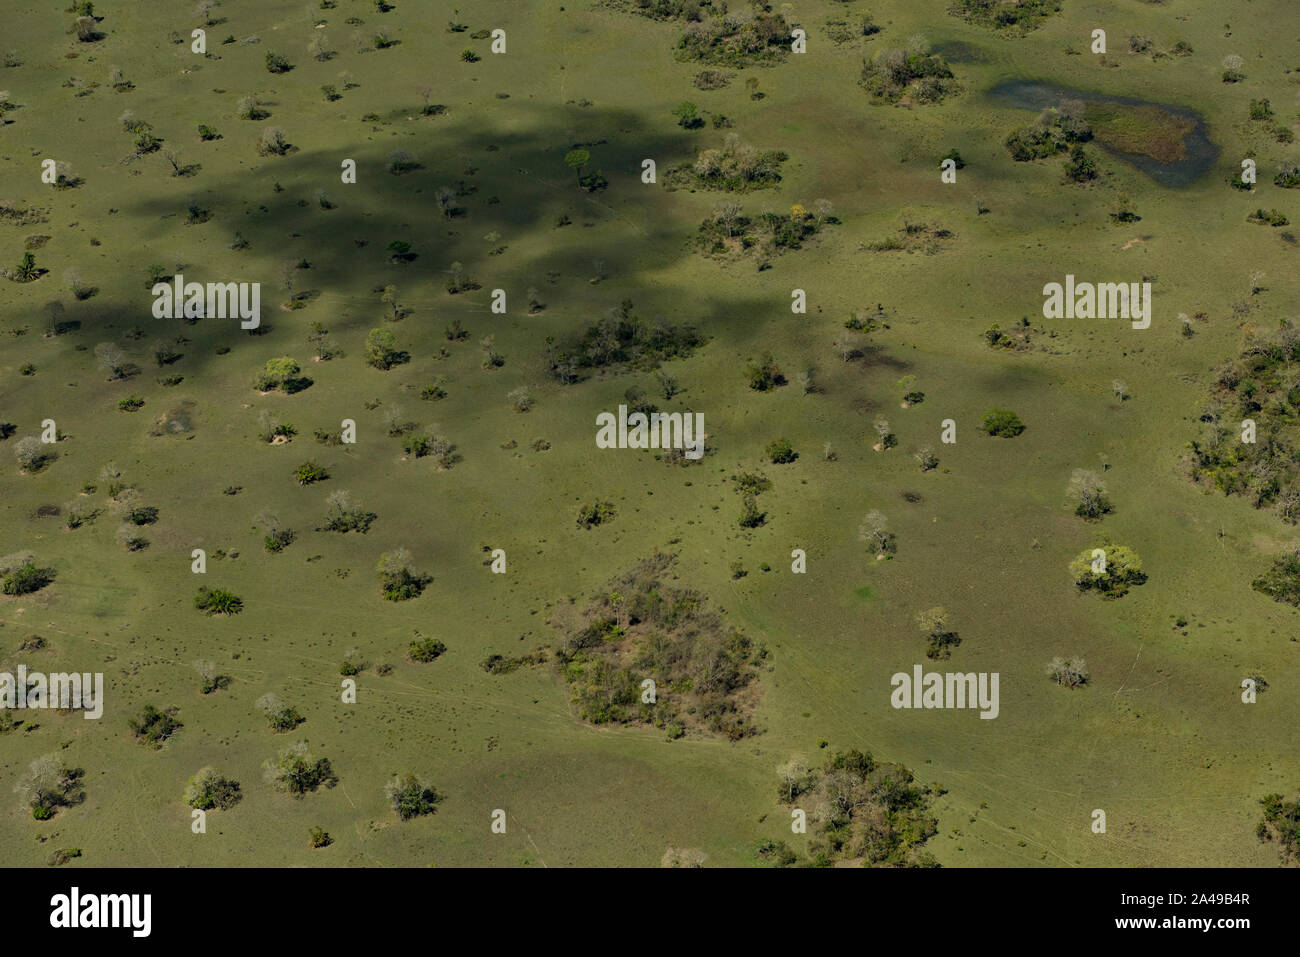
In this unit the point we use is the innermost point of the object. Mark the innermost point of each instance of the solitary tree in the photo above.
(445, 197)
(30, 453)
(933, 622)
(272, 142)
(887, 438)
(210, 790)
(398, 577)
(411, 796)
(317, 338)
(297, 772)
(48, 785)
(112, 360)
(1068, 672)
(874, 530)
(576, 159)
(1088, 492)
(381, 349)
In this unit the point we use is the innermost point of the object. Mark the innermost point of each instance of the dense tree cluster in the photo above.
(644, 627)
(876, 814)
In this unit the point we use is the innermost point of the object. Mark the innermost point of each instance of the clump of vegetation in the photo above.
(735, 41)
(1088, 493)
(730, 231)
(641, 626)
(281, 717)
(272, 142)
(49, 785)
(295, 771)
(867, 812)
(928, 238)
(595, 513)
(1108, 569)
(277, 537)
(343, 516)
(218, 601)
(622, 339)
(210, 679)
(282, 373)
(894, 76)
(398, 577)
(1262, 384)
(780, 451)
(1282, 581)
(764, 374)
(504, 664)
(1013, 16)
(210, 790)
(153, 727)
(1288, 175)
(22, 575)
(1281, 823)
(736, 167)
(309, 473)
(1002, 422)
(940, 639)
(1272, 217)
(1055, 131)
(411, 796)
(381, 350)
(425, 650)
(1068, 672)
(874, 530)
(772, 853)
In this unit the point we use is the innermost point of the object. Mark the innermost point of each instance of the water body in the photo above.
(1198, 152)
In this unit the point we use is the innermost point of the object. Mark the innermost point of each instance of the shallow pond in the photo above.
(1169, 143)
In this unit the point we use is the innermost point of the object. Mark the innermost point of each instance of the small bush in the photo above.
(153, 727)
(1002, 422)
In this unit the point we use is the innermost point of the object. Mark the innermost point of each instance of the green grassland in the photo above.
(1158, 738)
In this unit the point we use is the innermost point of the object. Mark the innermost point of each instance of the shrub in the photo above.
(1068, 672)
(208, 790)
(275, 63)
(309, 472)
(272, 142)
(381, 349)
(1111, 573)
(281, 716)
(1002, 422)
(597, 513)
(425, 650)
(294, 770)
(26, 578)
(49, 785)
(282, 373)
(750, 514)
(765, 374)
(410, 796)
(218, 601)
(398, 578)
(153, 727)
(780, 451)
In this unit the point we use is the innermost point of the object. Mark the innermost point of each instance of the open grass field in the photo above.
(1158, 737)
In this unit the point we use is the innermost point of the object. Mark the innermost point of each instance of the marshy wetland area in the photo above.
(313, 312)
